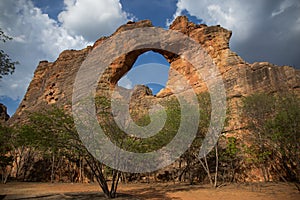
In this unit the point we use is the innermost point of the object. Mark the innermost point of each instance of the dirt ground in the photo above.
(265, 191)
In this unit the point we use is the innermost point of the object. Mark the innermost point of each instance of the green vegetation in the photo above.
(135, 144)
(274, 121)
(59, 141)
(48, 145)
(6, 159)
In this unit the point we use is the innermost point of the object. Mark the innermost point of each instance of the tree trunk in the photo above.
(206, 168)
(18, 160)
(114, 185)
(6, 173)
(217, 165)
(52, 167)
(80, 171)
(96, 168)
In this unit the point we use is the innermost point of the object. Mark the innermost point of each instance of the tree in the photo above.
(210, 162)
(6, 159)
(55, 134)
(285, 134)
(229, 158)
(258, 109)
(274, 122)
(15, 150)
(7, 66)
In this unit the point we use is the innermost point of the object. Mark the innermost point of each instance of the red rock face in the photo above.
(3, 113)
(53, 81)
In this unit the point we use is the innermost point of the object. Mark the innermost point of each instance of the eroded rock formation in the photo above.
(53, 81)
(3, 113)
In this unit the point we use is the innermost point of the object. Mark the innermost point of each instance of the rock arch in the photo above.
(55, 79)
(240, 77)
(124, 63)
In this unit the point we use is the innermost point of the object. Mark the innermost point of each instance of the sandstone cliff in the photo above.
(53, 81)
(3, 113)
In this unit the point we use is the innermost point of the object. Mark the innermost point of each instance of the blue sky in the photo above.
(263, 30)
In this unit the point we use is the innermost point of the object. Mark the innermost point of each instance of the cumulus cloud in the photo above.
(38, 37)
(91, 18)
(125, 82)
(262, 30)
(35, 37)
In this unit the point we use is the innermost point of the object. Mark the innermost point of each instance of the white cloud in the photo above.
(35, 37)
(282, 7)
(125, 82)
(262, 30)
(92, 18)
(231, 14)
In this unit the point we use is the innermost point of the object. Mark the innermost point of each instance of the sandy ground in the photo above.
(266, 191)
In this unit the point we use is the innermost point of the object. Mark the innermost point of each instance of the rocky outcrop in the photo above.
(3, 113)
(52, 83)
(240, 77)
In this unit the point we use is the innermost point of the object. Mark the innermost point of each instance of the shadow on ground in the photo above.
(79, 196)
(155, 191)
(160, 191)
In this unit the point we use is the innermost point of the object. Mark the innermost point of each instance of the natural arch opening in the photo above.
(115, 113)
(150, 69)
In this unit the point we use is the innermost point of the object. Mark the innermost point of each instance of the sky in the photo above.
(263, 30)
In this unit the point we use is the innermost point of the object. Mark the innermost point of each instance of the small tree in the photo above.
(6, 159)
(258, 109)
(210, 162)
(274, 125)
(229, 159)
(13, 152)
(285, 134)
(58, 135)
